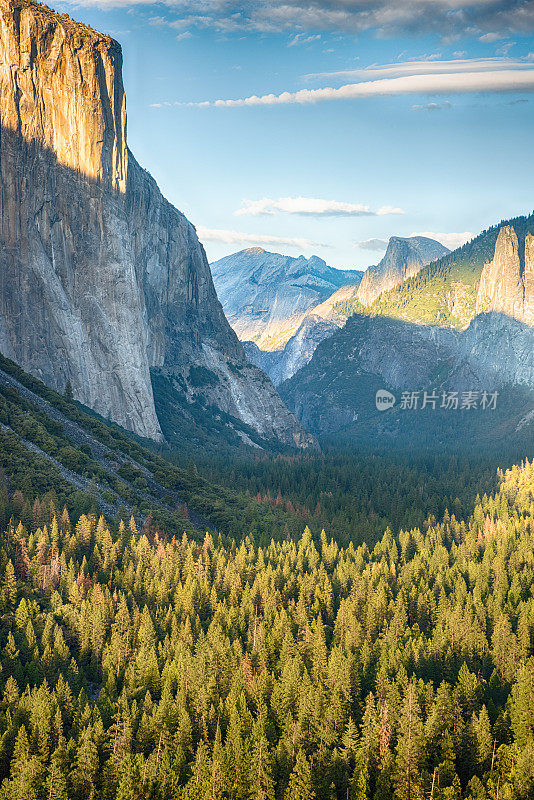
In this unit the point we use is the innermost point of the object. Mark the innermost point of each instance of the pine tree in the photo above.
(128, 779)
(217, 767)
(482, 727)
(359, 786)
(300, 784)
(199, 785)
(86, 765)
(261, 781)
(10, 584)
(409, 748)
(56, 782)
(25, 771)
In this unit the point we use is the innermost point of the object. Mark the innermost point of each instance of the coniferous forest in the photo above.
(266, 517)
(140, 662)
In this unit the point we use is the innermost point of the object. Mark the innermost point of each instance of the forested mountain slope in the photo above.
(445, 292)
(138, 666)
(50, 446)
(335, 394)
(403, 258)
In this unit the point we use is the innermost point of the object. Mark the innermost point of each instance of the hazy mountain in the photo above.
(104, 283)
(266, 295)
(402, 259)
(282, 364)
(336, 391)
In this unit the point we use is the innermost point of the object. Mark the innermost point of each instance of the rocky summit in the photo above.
(335, 392)
(403, 259)
(103, 282)
(507, 281)
(265, 295)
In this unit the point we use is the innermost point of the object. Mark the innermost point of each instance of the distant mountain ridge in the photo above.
(335, 392)
(403, 257)
(266, 295)
(445, 291)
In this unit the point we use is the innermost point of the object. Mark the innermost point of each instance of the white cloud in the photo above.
(432, 106)
(506, 76)
(184, 35)
(311, 206)
(424, 66)
(505, 48)
(303, 38)
(446, 18)
(450, 240)
(238, 237)
(491, 36)
(372, 244)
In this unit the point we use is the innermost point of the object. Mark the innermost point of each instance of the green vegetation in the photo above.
(142, 665)
(200, 376)
(354, 497)
(444, 292)
(192, 425)
(350, 627)
(344, 308)
(111, 468)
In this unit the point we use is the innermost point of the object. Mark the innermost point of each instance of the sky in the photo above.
(326, 126)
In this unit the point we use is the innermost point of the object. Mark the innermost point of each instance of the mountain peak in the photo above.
(46, 13)
(120, 281)
(266, 295)
(507, 281)
(403, 258)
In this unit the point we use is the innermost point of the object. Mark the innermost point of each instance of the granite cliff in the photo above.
(335, 393)
(507, 281)
(446, 291)
(317, 324)
(103, 282)
(265, 295)
(403, 259)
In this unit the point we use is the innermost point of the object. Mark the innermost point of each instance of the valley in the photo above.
(228, 571)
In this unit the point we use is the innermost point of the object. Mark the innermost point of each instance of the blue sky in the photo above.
(425, 124)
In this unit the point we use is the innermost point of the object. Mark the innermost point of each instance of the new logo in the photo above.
(384, 400)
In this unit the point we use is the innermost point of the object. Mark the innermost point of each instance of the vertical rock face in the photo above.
(403, 258)
(101, 278)
(507, 282)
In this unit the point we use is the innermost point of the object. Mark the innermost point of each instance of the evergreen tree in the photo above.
(300, 783)
(10, 584)
(409, 751)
